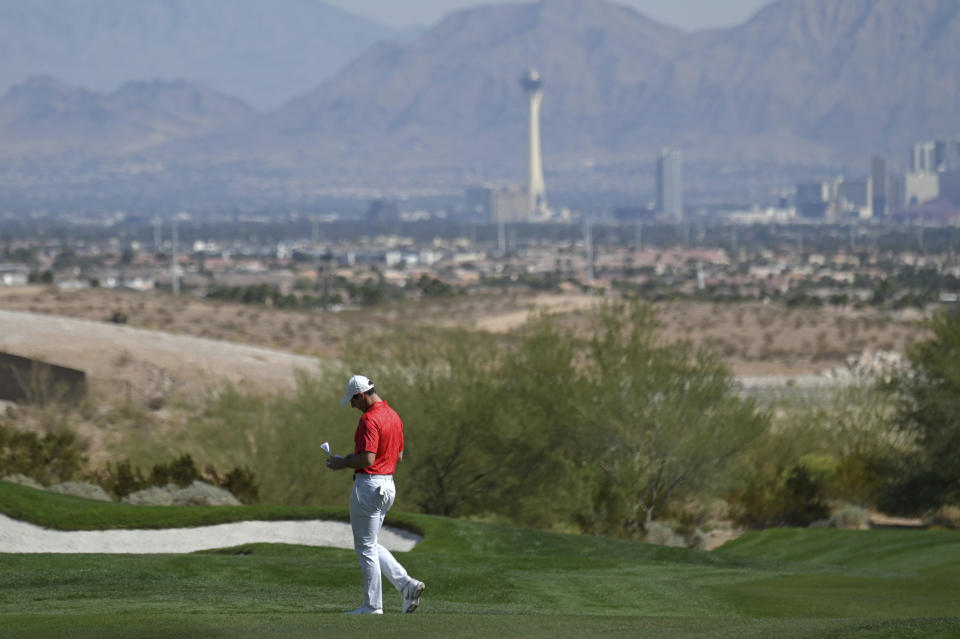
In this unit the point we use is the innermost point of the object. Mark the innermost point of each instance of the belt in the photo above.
(355, 475)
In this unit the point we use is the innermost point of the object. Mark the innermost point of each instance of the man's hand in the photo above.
(336, 462)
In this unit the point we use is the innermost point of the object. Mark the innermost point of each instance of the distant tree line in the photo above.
(609, 430)
(330, 291)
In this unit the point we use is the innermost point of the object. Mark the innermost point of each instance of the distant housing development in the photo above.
(934, 177)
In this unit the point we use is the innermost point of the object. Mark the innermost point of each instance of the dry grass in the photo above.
(140, 392)
(758, 339)
(751, 338)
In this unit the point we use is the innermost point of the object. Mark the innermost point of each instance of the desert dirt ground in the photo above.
(752, 338)
(170, 350)
(142, 363)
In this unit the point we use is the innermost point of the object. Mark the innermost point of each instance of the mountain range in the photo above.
(45, 117)
(261, 52)
(804, 80)
(803, 83)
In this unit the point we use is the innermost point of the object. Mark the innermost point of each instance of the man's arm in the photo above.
(364, 459)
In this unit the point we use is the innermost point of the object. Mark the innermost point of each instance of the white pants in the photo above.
(371, 498)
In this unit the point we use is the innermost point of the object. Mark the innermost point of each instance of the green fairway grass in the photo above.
(482, 580)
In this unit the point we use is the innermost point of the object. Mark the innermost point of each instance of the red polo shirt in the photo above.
(380, 431)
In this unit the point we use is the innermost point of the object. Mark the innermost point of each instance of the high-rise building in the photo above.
(812, 199)
(949, 186)
(948, 155)
(536, 189)
(878, 186)
(670, 184)
(895, 194)
(924, 158)
(920, 187)
(478, 201)
(850, 198)
(499, 204)
(508, 205)
(936, 156)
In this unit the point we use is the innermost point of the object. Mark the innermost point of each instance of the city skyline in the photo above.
(423, 117)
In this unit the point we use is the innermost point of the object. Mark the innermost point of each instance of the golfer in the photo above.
(378, 447)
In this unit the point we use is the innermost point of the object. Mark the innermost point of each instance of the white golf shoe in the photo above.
(411, 595)
(365, 610)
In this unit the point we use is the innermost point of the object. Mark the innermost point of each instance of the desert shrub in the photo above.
(849, 446)
(802, 500)
(125, 479)
(661, 534)
(49, 459)
(511, 428)
(240, 482)
(794, 497)
(667, 417)
(947, 517)
(849, 517)
(460, 444)
(685, 518)
(521, 428)
(181, 471)
(769, 484)
(859, 427)
(122, 479)
(929, 410)
(432, 287)
(278, 437)
(912, 488)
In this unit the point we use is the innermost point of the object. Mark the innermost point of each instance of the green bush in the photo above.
(181, 471)
(795, 497)
(51, 458)
(55, 458)
(240, 482)
(125, 478)
(849, 448)
(278, 437)
(929, 410)
(603, 429)
(802, 499)
(122, 479)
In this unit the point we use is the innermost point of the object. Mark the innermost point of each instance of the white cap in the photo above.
(356, 384)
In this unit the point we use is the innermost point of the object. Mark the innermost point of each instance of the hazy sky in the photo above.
(686, 14)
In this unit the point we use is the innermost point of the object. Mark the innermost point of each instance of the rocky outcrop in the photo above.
(196, 494)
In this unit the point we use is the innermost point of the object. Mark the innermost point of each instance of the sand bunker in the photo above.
(20, 537)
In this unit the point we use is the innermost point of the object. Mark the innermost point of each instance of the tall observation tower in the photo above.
(536, 190)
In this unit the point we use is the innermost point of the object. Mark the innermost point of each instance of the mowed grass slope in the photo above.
(482, 581)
